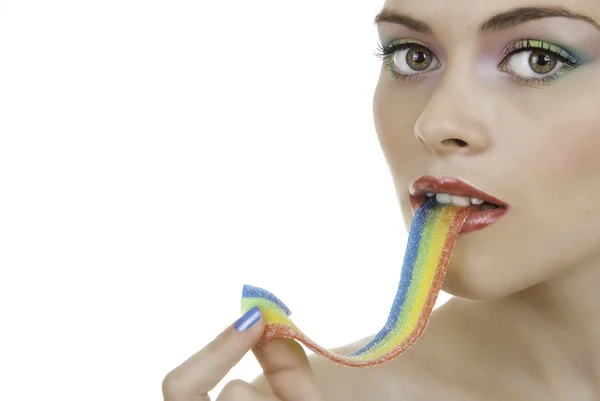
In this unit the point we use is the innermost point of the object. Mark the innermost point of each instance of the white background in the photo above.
(155, 156)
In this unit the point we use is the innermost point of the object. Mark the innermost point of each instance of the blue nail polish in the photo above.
(248, 320)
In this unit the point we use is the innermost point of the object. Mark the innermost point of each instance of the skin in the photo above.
(523, 324)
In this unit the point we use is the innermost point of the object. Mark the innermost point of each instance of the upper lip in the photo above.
(449, 185)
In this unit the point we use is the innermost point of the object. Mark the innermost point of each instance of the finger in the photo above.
(239, 390)
(287, 369)
(204, 370)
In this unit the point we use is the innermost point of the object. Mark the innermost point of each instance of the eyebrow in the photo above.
(504, 20)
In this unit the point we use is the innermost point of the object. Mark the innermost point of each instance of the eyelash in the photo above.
(385, 53)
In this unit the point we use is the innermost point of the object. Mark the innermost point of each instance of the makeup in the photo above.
(486, 208)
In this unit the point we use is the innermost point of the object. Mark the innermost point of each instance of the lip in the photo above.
(453, 186)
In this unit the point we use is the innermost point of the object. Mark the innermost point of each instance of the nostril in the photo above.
(458, 142)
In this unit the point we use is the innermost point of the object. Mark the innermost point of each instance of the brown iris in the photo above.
(542, 62)
(419, 58)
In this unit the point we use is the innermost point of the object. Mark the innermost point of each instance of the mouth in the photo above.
(449, 190)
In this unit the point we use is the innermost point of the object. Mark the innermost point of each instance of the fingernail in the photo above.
(248, 320)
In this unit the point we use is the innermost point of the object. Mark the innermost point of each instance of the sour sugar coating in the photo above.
(434, 231)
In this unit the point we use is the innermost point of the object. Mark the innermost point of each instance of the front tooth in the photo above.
(443, 198)
(429, 194)
(461, 201)
(476, 201)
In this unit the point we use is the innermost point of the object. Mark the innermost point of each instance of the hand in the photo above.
(284, 363)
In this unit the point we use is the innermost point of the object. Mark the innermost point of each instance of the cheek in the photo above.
(573, 148)
(551, 169)
(563, 150)
(396, 111)
(571, 176)
(568, 139)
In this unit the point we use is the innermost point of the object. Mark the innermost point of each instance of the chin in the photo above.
(481, 272)
(493, 262)
(476, 270)
(463, 282)
(486, 267)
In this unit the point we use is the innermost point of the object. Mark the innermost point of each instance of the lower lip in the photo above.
(477, 219)
(484, 218)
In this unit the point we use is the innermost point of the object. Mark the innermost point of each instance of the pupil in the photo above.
(419, 57)
(542, 59)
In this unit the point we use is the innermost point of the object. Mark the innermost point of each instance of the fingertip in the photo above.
(250, 319)
(280, 352)
(287, 369)
(249, 328)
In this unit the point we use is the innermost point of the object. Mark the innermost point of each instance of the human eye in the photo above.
(537, 62)
(405, 59)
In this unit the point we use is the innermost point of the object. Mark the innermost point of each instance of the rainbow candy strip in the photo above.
(433, 233)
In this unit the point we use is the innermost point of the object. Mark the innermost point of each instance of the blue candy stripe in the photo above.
(256, 292)
(412, 250)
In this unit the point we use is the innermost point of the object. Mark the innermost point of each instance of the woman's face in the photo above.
(521, 124)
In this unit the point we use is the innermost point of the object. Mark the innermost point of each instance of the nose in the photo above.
(453, 121)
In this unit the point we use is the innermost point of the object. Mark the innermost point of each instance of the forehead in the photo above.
(444, 14)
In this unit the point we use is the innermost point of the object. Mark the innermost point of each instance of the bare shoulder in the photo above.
(386, 382)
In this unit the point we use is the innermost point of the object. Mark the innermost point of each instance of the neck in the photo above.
(569, 304)
(557, 322)
(544, 340)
